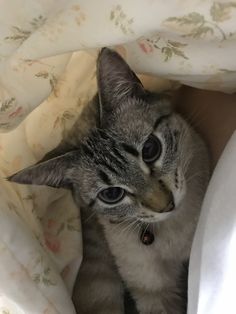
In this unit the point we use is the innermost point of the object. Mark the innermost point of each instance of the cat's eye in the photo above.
(152, 149)
(112, 195)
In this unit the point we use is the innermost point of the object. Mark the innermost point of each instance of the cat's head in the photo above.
(134, 163)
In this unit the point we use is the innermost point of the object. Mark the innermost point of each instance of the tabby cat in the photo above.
(138, 172)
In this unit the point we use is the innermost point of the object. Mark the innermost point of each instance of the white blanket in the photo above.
(192, 42)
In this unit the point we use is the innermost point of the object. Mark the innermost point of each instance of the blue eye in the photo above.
(112, 195)
(152, 149)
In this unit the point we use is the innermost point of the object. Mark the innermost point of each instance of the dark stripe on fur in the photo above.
(87, 150)
(118, 154)
(104, 177)
(114, 159)
(129, 303)
(103, 135)
(92, 202)
(176, 139)
(183, 283)
(130, 149)
(160, 119)
(109, 167)
(169, 140)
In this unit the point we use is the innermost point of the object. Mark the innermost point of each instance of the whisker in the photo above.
(90, 216)
(121, 224)
(129, 226)
(147, 225)
(140, 228)
(197, 174)
(135, 226)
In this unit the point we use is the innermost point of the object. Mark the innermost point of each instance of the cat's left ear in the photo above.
(55, 172)
(116, 81)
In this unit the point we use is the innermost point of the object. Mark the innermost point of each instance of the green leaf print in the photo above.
(121, 20)
(18, 34)
(52, 79)
(192, 18)
(168, 48)
(43, 275)
(221, 11)
(38, 21)
(6, 104)
(200, 26)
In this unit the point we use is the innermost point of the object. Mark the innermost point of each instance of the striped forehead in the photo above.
(111, 155)
(108, 154)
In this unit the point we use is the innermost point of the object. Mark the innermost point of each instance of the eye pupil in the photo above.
(111, 195)
(151, 149)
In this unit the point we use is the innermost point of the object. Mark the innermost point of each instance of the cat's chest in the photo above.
(147, 241)
(146, 265)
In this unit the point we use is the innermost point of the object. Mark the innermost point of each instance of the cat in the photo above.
(138, 172)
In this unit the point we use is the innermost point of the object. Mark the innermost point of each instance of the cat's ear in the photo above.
(116, 80)
(54, 172)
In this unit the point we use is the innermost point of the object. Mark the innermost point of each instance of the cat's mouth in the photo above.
(170, 207)
(150, 215)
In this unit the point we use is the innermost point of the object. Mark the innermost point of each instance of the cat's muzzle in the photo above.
(158, 199)
(169, 207)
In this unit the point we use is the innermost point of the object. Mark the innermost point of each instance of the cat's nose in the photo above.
(159, 199)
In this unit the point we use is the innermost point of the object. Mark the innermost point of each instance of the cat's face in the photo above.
(135, 163)
(135, 169)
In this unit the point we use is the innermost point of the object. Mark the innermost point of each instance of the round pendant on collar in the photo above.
(147, 237)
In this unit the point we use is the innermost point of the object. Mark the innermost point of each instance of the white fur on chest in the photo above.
(156, 266)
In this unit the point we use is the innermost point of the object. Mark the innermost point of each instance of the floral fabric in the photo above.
(191, 42)
(40, 232)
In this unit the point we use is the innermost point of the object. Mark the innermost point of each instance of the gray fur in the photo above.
(110, 155)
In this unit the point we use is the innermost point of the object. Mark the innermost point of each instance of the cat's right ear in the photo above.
(55, 172)
(116, 81)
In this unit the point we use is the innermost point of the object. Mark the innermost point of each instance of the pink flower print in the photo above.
(65, 272)
(145, 46)
(51, 223)
(53, 244)
(15, 113)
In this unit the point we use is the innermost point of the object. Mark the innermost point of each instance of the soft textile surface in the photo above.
(213, 260)
(40, 237)
(190, 41)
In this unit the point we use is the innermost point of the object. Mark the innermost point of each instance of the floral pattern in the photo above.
(40, 66)
(221, 12)
(202, 27)
(168, 48)
(62, 121)
(52, 219)
(51, 79)
(18, 34)
(38, 21)
(6, 104)
(121, 20)
(80, 15)
(44, 275)
(35, 51)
